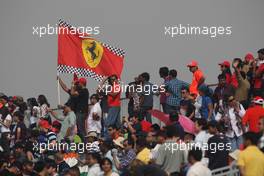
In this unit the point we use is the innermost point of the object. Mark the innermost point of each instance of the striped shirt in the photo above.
(51, 136)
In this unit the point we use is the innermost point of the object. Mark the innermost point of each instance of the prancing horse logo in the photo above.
(92, 52)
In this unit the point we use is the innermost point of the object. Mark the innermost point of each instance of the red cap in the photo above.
(225, 63)
(82, 81)
(249, 57)
(44, 124)
(193, 64)
(258, 100)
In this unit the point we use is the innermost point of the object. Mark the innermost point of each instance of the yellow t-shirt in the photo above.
(252, 159)
(144, 156)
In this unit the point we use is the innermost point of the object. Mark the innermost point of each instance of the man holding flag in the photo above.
(83, 55)
(78, 100)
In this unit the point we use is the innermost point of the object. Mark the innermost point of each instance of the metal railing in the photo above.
(231, 170)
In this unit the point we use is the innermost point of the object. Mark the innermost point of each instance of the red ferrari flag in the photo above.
(86, 56)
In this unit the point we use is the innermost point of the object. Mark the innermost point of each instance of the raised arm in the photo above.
(63, 85)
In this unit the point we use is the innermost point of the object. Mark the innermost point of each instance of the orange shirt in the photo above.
(252, 117)
(197, 75)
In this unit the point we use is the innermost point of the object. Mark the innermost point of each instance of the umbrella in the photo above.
(186, 123)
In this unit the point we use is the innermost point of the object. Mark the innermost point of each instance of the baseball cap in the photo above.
(44, 124)
(82, 81)
(92, 134)
(249, 57)
(225, 63)
(119, 142)
(258, 100)
(193, 64)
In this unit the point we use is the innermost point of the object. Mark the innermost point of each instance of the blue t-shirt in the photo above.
(204, 110)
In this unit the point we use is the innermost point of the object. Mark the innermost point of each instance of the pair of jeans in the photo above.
(113, 117)
(236, 142)
(80, 121)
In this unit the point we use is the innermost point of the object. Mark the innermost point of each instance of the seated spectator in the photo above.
(106, 166)
(128, 156)
(143, 153)
(27, 168)
(166, 157)
(261, 141)
(113, 132)
(251, 160)
(254, 114)
(93, 160)
(197, 167)
(217, 157)
(202, 135)
(174, 118)
(61, 164)
(41, 168)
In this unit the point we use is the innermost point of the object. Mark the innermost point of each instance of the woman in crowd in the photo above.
(106, 166)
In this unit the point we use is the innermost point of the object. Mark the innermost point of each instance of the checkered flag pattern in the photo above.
(117, 51)
(79, 71)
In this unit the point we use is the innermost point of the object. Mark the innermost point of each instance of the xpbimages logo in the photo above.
(41, 31)
(140, 89)
(212, 147)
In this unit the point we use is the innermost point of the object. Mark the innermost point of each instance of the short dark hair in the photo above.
(173, 73)
(221, 76)
(185, 88)
(73, 171)
(146, 76)
(19, 115)
(155, 126)
(202, 122)
(172, 131)
(141, 142)
(39, 166)
(95, 155)
(174, 116)
(130, 141)
(252, 137)
(196, 153)
(261, 51)
(105, 160)
(164, 71)
(95, 96)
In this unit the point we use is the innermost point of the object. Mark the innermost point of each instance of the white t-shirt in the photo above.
(95, 125)
(94, 170)
(198, 169)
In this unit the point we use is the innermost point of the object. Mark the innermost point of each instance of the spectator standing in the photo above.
(164, 74)
(173, 91)
(251, 159)
(198, 77)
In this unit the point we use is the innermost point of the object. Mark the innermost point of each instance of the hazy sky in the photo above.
(28, 62)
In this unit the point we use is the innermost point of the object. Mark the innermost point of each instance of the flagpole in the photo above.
(58, 89)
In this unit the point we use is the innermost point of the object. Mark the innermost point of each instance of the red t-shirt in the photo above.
(257, 83)
(252, 117)
(228, 78)
(197, 75)
(234, 81)
(114, 101)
